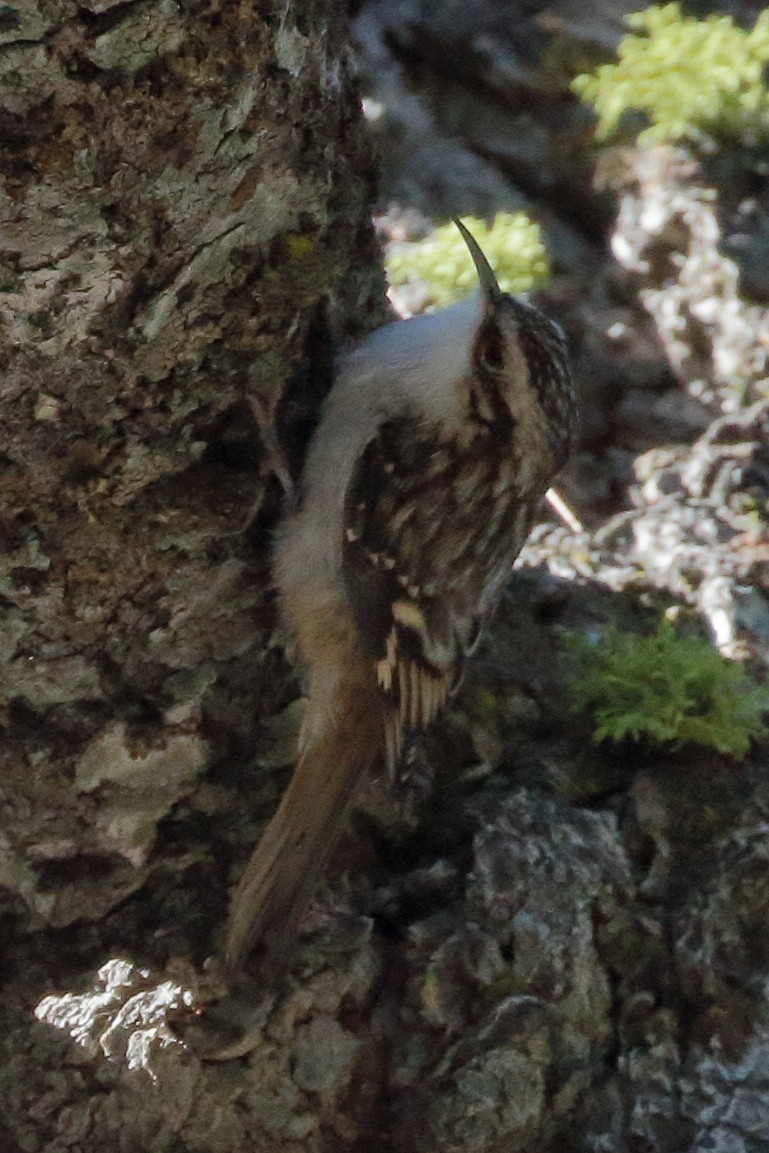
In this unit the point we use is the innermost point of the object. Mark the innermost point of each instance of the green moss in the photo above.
(668, 689)
(442, 262)
(690, 77)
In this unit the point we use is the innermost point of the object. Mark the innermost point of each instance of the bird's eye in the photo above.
(489, 349)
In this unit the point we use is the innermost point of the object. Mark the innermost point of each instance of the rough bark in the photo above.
(184, 191)
(184, 237)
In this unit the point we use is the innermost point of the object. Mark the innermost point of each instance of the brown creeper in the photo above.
(435, 446)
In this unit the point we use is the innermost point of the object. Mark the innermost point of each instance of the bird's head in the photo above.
(518, 353)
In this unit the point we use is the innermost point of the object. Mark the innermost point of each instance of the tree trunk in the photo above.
(184, 237)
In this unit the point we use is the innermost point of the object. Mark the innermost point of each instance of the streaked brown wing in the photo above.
(404, 622)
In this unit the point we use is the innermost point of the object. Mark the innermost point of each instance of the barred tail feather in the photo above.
(279, 880)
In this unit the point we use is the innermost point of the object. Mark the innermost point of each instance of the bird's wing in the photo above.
(406, 625)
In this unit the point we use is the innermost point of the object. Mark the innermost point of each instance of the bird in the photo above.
(436, 443)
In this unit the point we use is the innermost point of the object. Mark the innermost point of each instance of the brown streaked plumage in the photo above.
(435, 446)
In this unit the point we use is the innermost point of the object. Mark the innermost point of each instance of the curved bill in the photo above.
(488, 280)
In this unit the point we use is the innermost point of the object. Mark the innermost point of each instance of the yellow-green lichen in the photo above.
(444, 265)
(689, 77)
(299, 246)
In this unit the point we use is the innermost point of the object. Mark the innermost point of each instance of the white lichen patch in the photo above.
(138, 787)
(122, 1016)
(292, 50)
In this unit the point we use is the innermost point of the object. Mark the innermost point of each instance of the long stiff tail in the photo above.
(279, 879)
